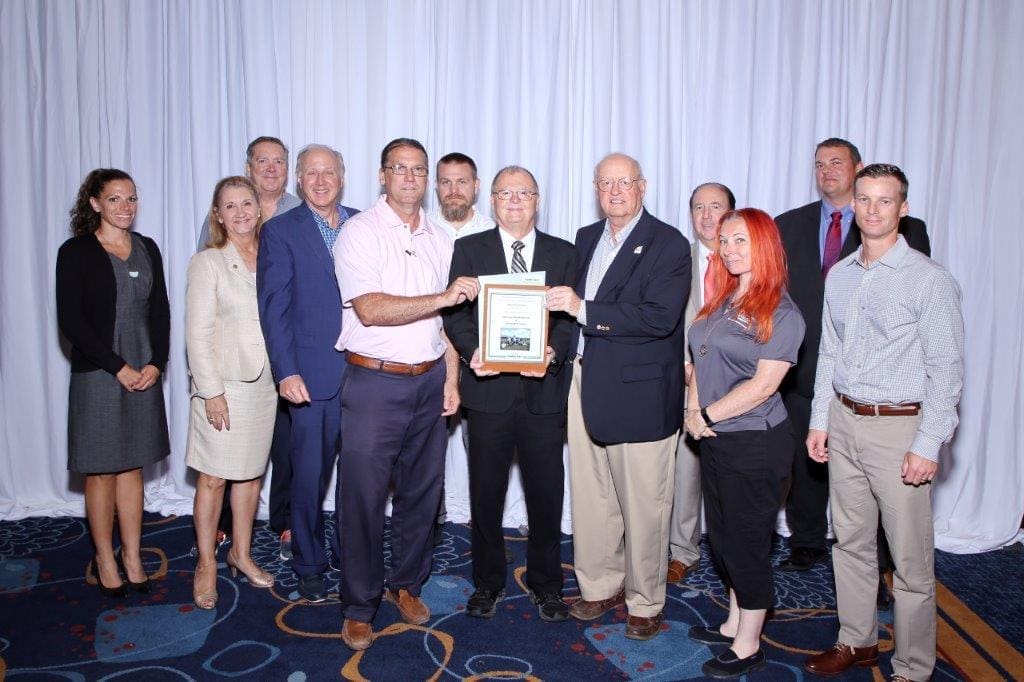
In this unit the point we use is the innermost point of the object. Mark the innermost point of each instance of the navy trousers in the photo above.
(392, 432)
(315, 436)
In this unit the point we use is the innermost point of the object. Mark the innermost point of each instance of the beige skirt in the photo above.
(241, 453)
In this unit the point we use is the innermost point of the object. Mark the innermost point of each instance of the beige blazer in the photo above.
(694, 303)
(223, 339)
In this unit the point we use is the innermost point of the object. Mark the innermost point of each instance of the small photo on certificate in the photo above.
(515, 327)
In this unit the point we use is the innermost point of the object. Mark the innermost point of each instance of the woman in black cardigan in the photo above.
(112, 306)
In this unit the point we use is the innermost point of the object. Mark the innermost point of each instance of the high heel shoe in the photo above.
(260, 578)
(205, 600)
(142, 587)
(120, 591)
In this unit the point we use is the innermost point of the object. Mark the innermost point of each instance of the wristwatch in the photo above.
(705, 417)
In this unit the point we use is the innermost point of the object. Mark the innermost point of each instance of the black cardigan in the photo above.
(86, 302)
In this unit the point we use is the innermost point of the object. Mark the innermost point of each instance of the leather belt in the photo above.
(868, 410)
(388, 366)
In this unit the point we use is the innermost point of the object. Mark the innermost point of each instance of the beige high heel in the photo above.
(205, 600)
(260, 578)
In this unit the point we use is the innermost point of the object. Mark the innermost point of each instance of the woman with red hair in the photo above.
(743, 342)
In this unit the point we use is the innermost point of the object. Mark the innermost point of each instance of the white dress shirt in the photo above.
(528, 244)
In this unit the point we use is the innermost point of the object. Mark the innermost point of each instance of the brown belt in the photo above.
(388, 366)
(867, 410)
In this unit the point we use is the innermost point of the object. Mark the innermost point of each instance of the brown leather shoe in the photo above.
(841, 658)
(413, 610)
(638, 627)
(356, 634)
(591, 610)
(677, 571)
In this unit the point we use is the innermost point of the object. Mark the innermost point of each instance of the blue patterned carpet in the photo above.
(54, 625)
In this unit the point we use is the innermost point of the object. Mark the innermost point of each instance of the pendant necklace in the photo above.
(703, 350)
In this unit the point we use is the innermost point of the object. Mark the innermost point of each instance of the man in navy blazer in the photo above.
(804, 238)
(626, 398)
(300, 312)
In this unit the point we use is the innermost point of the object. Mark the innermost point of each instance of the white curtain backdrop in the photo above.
(734, 91)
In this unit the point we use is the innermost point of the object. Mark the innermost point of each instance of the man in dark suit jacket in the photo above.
(626, 398)
(300, 312)
(805, 238)
(513, 414)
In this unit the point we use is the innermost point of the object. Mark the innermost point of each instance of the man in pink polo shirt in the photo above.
(402, 381)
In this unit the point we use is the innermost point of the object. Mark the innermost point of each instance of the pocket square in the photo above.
(638, 250)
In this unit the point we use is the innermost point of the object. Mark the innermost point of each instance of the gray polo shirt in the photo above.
(732, 356)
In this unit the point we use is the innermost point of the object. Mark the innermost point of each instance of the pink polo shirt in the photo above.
(376, 253)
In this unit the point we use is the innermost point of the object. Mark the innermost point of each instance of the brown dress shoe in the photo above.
(356, 634)
(841, 658)
(677, 571)
(413, 610)
(638, 627)
(591, 610)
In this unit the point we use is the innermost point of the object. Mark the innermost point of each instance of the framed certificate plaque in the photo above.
(514, 333)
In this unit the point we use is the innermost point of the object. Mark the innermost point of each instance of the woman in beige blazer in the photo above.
(234, 404)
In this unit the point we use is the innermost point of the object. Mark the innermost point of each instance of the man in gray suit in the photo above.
(708, 204)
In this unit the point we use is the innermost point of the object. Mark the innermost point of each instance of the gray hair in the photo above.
(507, 170)
(318, 148)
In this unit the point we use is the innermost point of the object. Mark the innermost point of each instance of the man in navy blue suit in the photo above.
(300, 312)
(626, 398)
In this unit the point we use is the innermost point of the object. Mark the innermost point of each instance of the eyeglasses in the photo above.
(605, 184)
(418, 171)
(521, 194)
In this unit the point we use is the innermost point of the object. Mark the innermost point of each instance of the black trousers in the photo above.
(808, 493)
(743, 474)
(537, 439)
(281, 471)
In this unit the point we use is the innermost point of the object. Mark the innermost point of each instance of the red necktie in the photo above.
(832, 243)
(709, 282)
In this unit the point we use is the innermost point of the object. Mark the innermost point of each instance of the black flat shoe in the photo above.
(699, 633)
(118, 592)
(726, 664)
(141, 588)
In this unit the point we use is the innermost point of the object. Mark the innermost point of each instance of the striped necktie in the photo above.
(518, 263)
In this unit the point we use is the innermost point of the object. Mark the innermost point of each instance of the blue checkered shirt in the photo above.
(892, 332)
(329, 234)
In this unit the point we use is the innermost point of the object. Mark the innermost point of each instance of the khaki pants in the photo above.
(621, 506)
(865, 456)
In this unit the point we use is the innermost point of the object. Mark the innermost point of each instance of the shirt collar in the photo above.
(827, 209)
(624, 233)
(507, 239)
(891, 258)
(393, 220)
(322, 222)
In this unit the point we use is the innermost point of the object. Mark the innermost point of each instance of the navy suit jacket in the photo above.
(483, 254)
(299, 302)
(799, 230)
(632, 383)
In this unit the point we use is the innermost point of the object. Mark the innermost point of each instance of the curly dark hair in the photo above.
(84, 219)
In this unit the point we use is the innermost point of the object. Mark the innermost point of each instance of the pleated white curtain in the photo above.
(733, 91)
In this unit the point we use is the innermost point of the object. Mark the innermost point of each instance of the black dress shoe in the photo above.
(313, 588)
(726, 664)
(802, 558)
(884, 599)
(699, 633)
(483, 603)
(550, 607)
